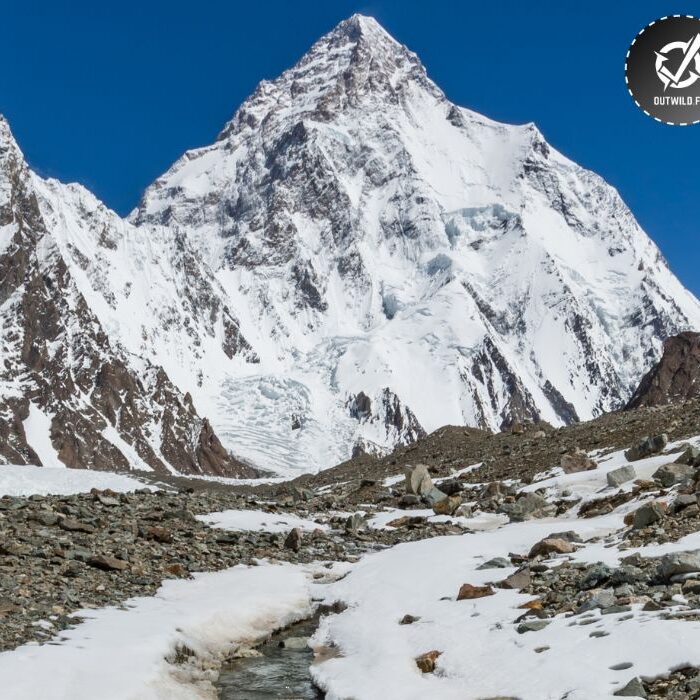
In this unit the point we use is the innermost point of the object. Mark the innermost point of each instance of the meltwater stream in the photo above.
(279, 673)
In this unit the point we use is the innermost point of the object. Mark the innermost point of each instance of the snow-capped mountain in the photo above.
(356, 260)
(71, 394)
(387, 249)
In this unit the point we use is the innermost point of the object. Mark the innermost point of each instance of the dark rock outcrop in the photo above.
(675, 378)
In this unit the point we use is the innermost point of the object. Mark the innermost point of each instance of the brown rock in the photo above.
(675, 378)
(293, 540)
(177, 569)
(426, 662)
(406, 520)
(159, 534)
(549, 546)
(577, 461)
(73, 525)
(447, 506)
(469, 592)
(107, 563)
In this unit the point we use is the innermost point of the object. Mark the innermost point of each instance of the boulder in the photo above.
(447, 506)
(531, 626)
(647, 447)
(548, 546)
(518, 580)
(528, 507)
(621, 475)
(648, 514)
(73, 525)
(293, 540)
(469, 592)
(409, 500)
(689, 456)
(596, 598)
(577, 461)
(633, 689)
(673, 473)
(568, 535)
(408, 619)
(433, 496)
(418, 481)
(295, 643)
(679, 563)
(426, 662)
(451, 487)
(159, 534)
(107, 563)
(495, 563)
(595, 575)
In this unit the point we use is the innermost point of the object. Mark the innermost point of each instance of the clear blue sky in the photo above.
(110, 93)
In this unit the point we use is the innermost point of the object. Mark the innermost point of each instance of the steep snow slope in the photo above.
(70, 393)
(397, 263)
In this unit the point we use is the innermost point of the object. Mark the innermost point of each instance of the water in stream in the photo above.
(278, 673)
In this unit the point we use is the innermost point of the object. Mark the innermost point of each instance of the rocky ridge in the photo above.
(70, 394)
(675, 378)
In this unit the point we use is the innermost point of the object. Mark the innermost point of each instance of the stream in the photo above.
(279, 673)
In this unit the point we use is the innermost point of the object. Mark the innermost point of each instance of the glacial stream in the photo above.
(280, 672)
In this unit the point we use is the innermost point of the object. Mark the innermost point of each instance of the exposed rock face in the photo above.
(675, 378)
(70, 395)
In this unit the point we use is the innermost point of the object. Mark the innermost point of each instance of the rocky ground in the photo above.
(62, 553)
(59, 554)
(519, 453)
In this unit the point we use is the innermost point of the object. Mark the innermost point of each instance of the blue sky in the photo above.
(110, 93)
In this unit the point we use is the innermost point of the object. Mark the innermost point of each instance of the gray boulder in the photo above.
(528, 507)
(647, 447)
(689, 456)
(679, 563)
(674, 473)
(648, 514)
(434, 496)
(418, 481)
(495, 563)
(622, 475)
(633, 689)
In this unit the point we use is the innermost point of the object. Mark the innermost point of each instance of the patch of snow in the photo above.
(258, 520)
(37, 427)
(28, 480)
(122, 654)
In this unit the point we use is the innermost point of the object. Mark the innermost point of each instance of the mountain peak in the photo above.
(7, 140)
(358, 62)
(358, 25)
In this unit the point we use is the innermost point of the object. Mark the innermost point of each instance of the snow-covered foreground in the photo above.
(24, 480)
(482, 653)
(127, 654)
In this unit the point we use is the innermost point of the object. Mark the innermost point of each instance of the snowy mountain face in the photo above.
(398, 263)
(356, 261)
(70, 393)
